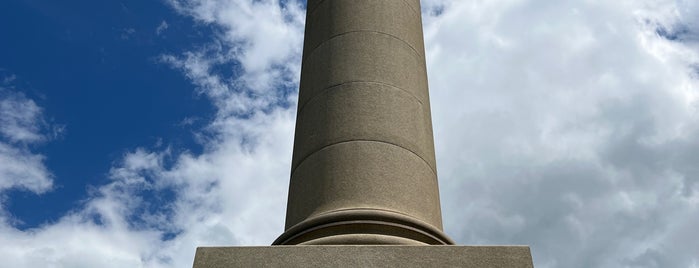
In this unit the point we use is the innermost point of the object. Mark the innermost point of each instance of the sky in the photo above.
(132, 132)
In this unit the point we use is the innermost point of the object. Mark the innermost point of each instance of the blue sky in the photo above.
(93, 68)
(132, 132)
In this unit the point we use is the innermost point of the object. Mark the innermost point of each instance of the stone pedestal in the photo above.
(364, 256)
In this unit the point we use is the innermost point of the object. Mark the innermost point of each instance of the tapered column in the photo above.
(363, 167)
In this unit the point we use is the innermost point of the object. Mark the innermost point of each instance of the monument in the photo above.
(363, 189)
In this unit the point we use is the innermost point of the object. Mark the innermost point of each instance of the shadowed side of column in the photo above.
(363, 169)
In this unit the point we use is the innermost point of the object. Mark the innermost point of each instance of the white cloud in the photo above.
(575, 130)
(23, 169)
(262, 36)
(571, 126)
(20, 118)
(159, 206)
(161, 27)
(21, 125)
(127, 33)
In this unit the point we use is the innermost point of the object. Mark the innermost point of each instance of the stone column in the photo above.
(363, 168)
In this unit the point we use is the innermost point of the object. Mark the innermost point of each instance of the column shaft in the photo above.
(363, 168)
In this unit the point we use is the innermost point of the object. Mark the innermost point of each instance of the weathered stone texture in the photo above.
(365, 256)
(363, 151)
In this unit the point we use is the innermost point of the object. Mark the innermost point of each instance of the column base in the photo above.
(362, 227)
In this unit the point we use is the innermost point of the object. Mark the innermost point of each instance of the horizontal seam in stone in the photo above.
(323, 1)
(327, 89)
(368, 208)
(361, 140)
(312, 51)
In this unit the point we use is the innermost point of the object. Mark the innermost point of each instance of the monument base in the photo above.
(364, 256)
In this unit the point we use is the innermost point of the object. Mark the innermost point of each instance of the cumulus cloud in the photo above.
(161, 204)
(21, 125)
(264, 53)
(575, 132)
(569, 126)
(20, 118)
(23, 169)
